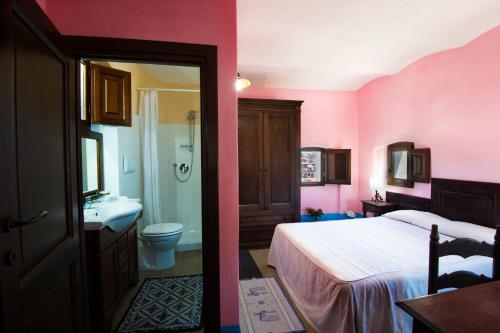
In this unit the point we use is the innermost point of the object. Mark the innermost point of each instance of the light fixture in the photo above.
(377, 184)
(242, 83)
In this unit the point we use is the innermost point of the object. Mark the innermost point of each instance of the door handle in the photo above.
(12, 224)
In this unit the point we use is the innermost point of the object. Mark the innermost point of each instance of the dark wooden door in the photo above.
(40, 276)
(251, 160)
(280, 161)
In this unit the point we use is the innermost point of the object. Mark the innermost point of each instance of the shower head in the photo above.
(191, 115)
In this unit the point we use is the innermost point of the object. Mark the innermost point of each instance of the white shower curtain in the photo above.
(148, 112)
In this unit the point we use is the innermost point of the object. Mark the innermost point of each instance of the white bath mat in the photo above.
(264, 308)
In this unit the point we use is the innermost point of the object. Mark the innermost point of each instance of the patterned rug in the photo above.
(265, 309)
(167, 304)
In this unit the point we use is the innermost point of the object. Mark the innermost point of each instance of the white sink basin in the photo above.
(116, 215)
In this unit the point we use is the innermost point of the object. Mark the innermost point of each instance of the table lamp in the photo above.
(376, 184)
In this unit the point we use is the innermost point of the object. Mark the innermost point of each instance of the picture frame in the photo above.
(312, 166)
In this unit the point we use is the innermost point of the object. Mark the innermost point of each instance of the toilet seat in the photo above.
(161, 230)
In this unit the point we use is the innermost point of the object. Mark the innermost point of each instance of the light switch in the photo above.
(128, 164)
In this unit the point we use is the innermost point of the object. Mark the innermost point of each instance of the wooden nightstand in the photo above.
(378, 208)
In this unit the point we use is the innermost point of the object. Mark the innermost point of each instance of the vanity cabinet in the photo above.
(112, 269)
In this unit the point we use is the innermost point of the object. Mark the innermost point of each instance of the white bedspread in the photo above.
(346, 275)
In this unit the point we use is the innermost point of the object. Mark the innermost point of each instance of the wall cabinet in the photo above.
(110, 97)
(112, 269)
(269, 167)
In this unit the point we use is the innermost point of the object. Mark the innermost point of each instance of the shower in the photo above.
(184, 168)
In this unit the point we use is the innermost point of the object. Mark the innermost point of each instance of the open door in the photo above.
(40, 273)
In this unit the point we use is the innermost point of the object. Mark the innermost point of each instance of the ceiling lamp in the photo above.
(242, 83)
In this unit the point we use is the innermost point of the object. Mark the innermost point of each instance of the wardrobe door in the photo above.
(281, 160)
(251, 164)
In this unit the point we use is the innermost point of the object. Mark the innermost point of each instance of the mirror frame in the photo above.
(84, 133)
(323, 166)
(395, 147)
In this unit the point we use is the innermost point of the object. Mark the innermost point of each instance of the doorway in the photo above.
(141, 152)
(201, 133)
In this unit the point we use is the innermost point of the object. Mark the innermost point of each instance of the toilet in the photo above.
(158, 244)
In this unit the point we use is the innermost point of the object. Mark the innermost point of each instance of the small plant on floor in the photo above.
(316, 214)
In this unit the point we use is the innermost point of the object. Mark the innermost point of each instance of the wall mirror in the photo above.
(91, 162)
(312, 166)
(399, 164)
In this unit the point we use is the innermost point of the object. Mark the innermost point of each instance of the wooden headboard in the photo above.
(405, 201)
(468, 201)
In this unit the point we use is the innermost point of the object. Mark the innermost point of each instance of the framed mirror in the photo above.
(312, 166)
(399, 164)
(91, 147)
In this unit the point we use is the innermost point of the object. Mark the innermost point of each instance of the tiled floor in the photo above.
(260, 259)
(187, 263)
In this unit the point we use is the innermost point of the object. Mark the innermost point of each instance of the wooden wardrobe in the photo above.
(269, 167)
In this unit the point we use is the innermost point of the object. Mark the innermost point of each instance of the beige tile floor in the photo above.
(260, 258)
(187, 263)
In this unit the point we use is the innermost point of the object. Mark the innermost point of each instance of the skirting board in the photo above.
(230, 329)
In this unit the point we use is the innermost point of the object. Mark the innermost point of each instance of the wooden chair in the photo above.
(464, 247)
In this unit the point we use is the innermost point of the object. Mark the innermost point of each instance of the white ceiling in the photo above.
(342, 44)
(174, 74)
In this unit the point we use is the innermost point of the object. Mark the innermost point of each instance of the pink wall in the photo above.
(448, 101)
(189, 21)
(328, 119)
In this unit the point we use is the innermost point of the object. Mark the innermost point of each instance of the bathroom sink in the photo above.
(116, 215)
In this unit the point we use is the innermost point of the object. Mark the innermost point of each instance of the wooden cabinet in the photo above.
(269, 165)
(110, 91)
(112, 269)
(378, 207)
(338, 166)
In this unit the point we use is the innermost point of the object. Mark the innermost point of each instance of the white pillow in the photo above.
(445, 226)
(419, 218)
(464, 229)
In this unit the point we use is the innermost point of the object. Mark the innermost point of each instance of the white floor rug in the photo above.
(265, 309)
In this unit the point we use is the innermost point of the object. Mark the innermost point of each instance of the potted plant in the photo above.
(315, 214)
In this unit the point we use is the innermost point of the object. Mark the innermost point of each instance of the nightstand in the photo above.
(378, 208)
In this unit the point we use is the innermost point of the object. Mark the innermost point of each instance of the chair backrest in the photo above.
(464, 247)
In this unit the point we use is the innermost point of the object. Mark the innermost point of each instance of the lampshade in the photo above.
(376, 183)
(242, 83)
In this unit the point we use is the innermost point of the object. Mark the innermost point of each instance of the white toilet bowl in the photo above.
(158, 244)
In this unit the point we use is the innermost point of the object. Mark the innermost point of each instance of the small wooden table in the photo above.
(472, 309)
(377, 207)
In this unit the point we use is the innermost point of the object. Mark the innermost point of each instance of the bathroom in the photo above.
(141, 181)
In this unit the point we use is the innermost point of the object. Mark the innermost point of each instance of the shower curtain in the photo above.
(148, 112)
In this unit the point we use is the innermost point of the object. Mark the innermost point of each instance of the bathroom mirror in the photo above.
(91, 162)
(399, 164)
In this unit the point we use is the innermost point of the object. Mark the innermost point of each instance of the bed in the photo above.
(345, 276)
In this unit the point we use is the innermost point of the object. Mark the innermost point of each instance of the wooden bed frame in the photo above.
(458, 200)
